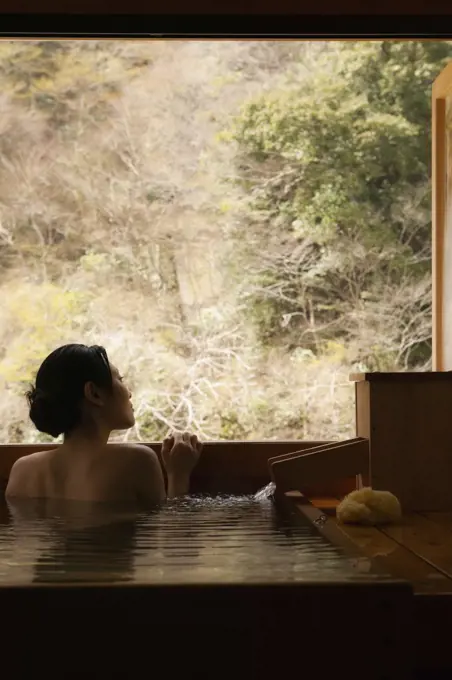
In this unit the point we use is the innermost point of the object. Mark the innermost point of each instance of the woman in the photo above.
(80, 394)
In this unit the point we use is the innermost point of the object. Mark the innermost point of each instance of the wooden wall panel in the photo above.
(410, 430)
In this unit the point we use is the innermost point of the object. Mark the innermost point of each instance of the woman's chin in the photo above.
(126, 424)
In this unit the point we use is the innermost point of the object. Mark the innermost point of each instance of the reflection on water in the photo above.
(189, 540)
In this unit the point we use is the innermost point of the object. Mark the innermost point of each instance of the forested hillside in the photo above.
(241, 224)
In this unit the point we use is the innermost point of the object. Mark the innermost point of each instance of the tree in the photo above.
(336, 176)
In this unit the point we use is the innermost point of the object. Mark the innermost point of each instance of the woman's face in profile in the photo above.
(120, 409)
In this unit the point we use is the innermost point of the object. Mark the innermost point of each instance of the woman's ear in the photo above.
(93, 394)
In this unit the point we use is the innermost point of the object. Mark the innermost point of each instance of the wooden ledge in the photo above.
(236, 467)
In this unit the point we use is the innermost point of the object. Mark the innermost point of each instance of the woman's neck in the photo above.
(87, 438)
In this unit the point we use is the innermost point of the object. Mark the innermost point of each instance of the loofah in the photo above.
(367, 506)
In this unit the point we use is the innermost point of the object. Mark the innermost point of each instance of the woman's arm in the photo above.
(148, 476)
(178, 485)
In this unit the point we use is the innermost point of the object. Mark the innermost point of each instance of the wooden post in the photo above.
(442, 221)
(407, 418)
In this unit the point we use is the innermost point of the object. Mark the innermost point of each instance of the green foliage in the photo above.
(41, 316)
(152, 429)
(337, 177)
(231, 427)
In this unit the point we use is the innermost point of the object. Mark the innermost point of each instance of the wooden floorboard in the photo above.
(419, 550)
(427, 539)
(444, 519)
(398, 560)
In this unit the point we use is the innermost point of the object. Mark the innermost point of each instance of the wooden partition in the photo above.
(408, 421)
(320, 465)
(224, 467)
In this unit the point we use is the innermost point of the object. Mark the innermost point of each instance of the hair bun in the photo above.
(48, 414)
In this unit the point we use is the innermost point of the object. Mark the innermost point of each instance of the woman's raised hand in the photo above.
(180, 453)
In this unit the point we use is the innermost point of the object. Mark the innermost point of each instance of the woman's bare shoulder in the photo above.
(129, 446)
(133, 450)
(138, 461)
(32, 459)
(24, 471)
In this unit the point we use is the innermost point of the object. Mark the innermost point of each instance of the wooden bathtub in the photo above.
(220, 626)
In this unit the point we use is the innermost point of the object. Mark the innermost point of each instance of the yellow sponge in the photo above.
(367, 506)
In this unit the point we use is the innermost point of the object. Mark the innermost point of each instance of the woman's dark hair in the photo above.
(55, 399)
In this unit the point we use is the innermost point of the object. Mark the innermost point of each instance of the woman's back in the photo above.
(107, 475)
